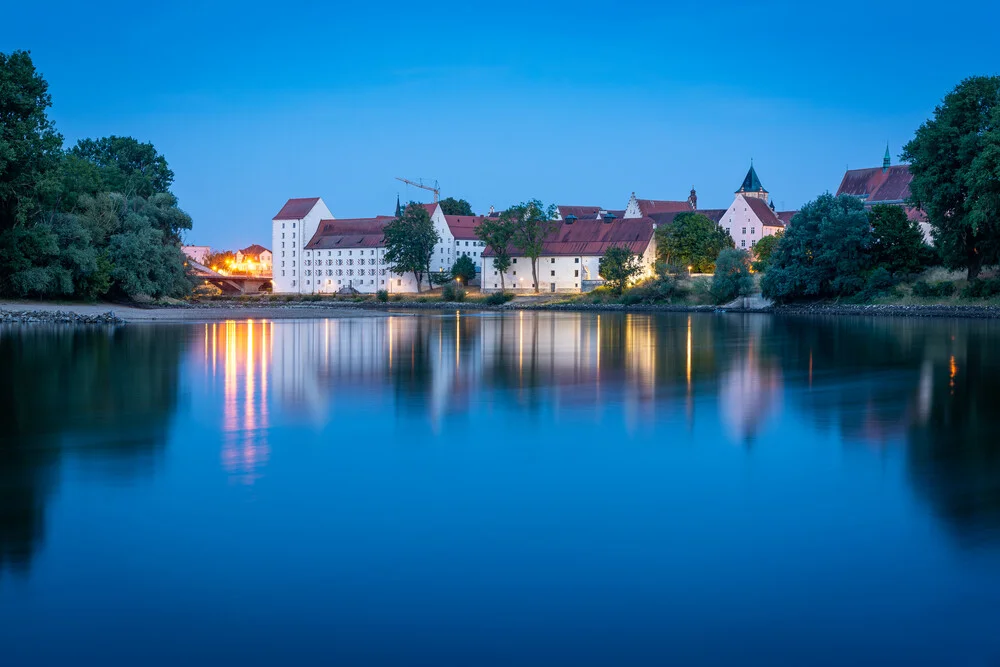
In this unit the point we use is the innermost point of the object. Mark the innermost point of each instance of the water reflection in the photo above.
(101, 396)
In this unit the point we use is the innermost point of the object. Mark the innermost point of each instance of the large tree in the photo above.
(618, 266)
(532, 223)
(463, 270)
(763, 250)
(732, 275)
(30, 147)
(691, 240)
(826, 253)
(452, 206)
(955, 161)
(496, 235)
(127, 165)
(410, 241)
(898, 244)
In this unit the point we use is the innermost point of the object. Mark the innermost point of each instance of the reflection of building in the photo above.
(750, 390)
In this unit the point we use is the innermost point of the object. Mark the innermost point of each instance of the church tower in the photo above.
(887, 160)
(751, 185)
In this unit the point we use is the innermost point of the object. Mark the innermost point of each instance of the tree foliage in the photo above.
(692, 240)
(464, 269)
(410, 241)
(763, 250)
(452, 206)
(531, 222)
(955, 161)
(826, 253)
(496, 234)
(618, 266)
(732, 275)
(897, 244)
(219, 259)
(96, 221)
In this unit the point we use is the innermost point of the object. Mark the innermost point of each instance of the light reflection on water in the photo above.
(548, 487)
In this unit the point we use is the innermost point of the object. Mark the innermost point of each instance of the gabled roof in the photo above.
(296, 209)
(581, 212)
(878, 184)
(751, 183)
(713, 214)
(253, 250)
(786, 216)
(350, 233)
(463, 226)
(593, 237)
(650, 206)
(767, 217)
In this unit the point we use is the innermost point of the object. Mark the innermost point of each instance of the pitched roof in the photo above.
(786, 216)
(253, 250)
(593, 237)
(713, 214)
(581, 212)
(751, 183)
(767, 217)
(296, 209)
(464, 226)
(649, 206)
(878, 185)
(350, 233)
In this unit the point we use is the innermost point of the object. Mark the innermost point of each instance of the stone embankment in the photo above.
(57, 317)
(890, 310)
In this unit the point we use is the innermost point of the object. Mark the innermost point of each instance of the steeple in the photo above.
(751, 185)
(399, 210)
(887, 160)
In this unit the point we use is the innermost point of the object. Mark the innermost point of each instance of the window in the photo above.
(293, 225)
(466, 244)
(753, 243)
(744, 230)
(282, 236)
(282, 274)
(727, 230)
(743, 243)
(553, 261)
(576, 260)
(293, 283)
(576, 274)
(514, 261)
(338, 253)
(282, 225)
(399, 281)
(282, 262)
(349, 252)
(515, 273)
(752, 231)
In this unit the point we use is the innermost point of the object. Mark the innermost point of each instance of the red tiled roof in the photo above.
(767, 217)
(649, 206)
(296, 209)
(786, 216)
(463, 226)
(430, 208)
(876, 185)
(593, 237)
(349, 233)
(618, 213)
(915, 214)
(581, 212)
(253, 250)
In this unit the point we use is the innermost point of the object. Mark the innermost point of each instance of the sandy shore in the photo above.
(195, 313)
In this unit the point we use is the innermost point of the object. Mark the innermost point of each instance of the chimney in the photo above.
(609, 218)
(570, 219)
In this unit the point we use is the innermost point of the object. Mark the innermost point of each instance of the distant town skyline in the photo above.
(576, 104)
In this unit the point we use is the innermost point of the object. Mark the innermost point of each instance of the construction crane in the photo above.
(436, 190)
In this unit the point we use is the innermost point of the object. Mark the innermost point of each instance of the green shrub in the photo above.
(982, 288)
(453, 292)
(382, 295)
(498, 298)
(732, 276)
(924, 289)
(396, 297)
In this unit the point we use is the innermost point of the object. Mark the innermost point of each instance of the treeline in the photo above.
(96, 220)
(835, 247)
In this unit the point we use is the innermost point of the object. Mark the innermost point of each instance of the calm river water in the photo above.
(523, 489)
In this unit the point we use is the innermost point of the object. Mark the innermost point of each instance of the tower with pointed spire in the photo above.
(887, 160)
(751, 185)
(399, 209)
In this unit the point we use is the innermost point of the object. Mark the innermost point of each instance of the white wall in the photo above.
(632, 208)
(364, 269)
(739, 217)
(444, 251)
(288, 238)
(569, 272)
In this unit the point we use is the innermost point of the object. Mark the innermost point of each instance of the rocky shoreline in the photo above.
(890, 310)
(57, 317)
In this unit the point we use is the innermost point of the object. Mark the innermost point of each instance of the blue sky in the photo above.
(572, 103)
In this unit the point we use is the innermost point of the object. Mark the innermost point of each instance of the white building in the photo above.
(750, 218)
(291, 229)
(198, 253)
(254, 259)
(463, 230)
(571, 255)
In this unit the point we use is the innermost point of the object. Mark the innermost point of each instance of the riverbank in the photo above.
(106, 313)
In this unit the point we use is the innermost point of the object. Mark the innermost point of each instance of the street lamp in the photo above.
(690, 271)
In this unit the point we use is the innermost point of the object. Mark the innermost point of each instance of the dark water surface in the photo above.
(527, 489)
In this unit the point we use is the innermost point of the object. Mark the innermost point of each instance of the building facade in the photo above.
(291, 229)
(198, 253)
(750, 217)
(888, 184)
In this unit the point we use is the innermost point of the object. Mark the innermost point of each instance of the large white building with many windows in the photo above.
(750, 217)
(291, 229)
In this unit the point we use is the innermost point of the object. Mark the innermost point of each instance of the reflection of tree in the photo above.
(107, 393)
(954, 454)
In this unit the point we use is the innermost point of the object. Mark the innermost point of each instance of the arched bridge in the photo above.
(235, 284)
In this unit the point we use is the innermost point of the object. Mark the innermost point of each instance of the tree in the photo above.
(955, 161)
(127, 166)
(30, 148)
(464, 269)
(692, 239)
(826, 253)
(452, 206)
(732, 275)
(763, 250)
(898, 244)
(410, 241)
(496, 235)
(531, 223)
(618, 266)
(219, 259)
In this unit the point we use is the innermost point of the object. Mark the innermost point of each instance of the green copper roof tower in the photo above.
(751, 185)
(887, 160)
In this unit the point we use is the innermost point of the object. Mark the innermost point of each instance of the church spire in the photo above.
(751, 185)
(398, 208)
(887, 160)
